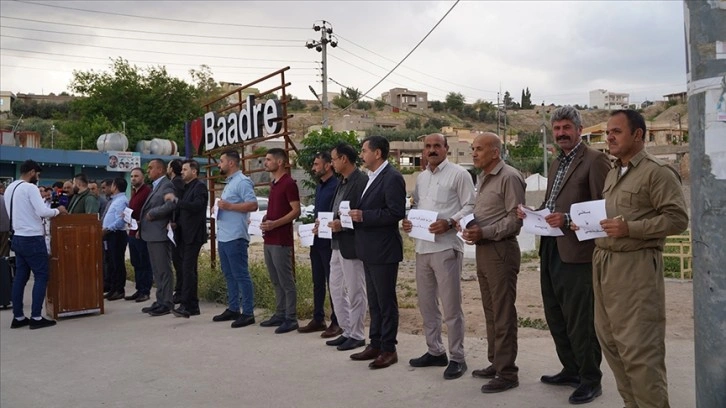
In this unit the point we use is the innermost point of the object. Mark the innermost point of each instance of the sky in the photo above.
(559, 50)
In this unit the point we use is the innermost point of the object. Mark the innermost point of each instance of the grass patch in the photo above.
(538, 324)
(530, 256)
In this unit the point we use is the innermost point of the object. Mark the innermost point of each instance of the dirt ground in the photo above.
(679, 299)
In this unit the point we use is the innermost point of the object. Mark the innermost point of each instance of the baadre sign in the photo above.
(236, 127)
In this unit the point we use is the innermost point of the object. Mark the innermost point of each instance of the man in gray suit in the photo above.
(155, 217)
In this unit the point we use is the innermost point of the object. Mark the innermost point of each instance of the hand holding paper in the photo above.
(345, 219)
(306, 234)
(535, 223)
(587, 216)
(255, 221)
(324, 230)
(420, 222)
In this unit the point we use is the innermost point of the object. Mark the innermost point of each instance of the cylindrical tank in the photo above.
(163, 147)
(143, 146)
(112, 141)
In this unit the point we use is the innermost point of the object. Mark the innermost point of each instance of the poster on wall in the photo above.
(123, 161)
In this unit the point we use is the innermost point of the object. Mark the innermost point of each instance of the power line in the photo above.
(414, 70)
(162, 63)
(409, 53)
(162, 18)
(153, 39)
(128, 49)
(150, 32)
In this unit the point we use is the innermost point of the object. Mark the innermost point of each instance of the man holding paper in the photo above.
(347, 275)
(320, 251)
(447, 189)
(576, 175)
(138, 252)
(644, 204)
(238, 200)
(500, 190)
(114, 239)
(379, 245)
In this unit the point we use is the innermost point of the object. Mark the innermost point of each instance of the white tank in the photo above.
(163, 147)
(143, 146)
(112, 141)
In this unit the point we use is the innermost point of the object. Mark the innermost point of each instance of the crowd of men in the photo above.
(601, 297)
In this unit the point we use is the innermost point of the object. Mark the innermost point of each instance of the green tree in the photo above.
(149, 101)
(455, 101)
(319, 141)
(364, 105)
(526, 99)
(413, 123)
(508, 101)
(295, 104)
(352, 94)
(380, 104)
(437, 106)
(341, 101)
(436, 123)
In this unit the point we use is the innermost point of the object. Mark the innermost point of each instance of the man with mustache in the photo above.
(446, 188)
(577, 175)
(83, 201)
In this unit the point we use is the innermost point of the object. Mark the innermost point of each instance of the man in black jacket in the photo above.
(379, 245)
(174, 173)
(191, 234)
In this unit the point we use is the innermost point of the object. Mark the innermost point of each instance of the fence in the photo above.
(679, 247)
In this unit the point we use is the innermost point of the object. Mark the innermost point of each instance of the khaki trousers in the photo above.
(497, 266)
(630, 323)
(348, 293)
(438, 275)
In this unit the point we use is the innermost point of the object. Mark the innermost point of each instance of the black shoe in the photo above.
(274, 321)
(142, 298)
(181, 311)
(488, 372)
(428, 360)
(226, 316)
(454, 370)
(585, 393)
(351, 344)
(287, 326)
(337, 341)
(498, 384)
(115, 296)
(160, 311)
(39, 324)
(243, 320)
(133, 297)
(147, 309)
(561, 379)
(16, 324)
(176, 298)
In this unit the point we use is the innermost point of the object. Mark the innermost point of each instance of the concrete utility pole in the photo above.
(544, 138)
(706, 70)
(326, 37)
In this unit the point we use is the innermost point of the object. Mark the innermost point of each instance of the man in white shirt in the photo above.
(448, 189)
(27, 210)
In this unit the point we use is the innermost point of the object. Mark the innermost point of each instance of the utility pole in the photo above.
(326, 37)
(544, 139)
(706, 73)
(498, 111)
(52, 136)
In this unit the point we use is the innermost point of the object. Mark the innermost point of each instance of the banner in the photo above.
(123, 161)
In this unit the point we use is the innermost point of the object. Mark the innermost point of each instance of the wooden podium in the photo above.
(75, 285)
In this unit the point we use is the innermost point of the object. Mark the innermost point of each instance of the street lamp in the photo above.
(52, 136)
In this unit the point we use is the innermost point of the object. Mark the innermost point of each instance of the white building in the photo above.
(602, 99)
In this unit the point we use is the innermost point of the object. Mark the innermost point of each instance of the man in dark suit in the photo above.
(174, 173)
(155, 217)
(191, 233)
(379, 245)
(577, 175)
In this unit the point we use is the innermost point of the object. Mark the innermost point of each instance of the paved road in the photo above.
(127, 359)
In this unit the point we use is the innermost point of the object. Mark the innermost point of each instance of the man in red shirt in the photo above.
(137, 247)
(283, 208)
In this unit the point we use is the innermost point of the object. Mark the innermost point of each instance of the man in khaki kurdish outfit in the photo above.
(644, 204)
(447, 189)
(500, 190)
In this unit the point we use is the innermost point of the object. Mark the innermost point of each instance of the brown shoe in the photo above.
(332, 331)
(384, 360)
(369, 353)
(489, 372)
(498, 384)
(313, 326)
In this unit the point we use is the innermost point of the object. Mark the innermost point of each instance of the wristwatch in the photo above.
(451, 223)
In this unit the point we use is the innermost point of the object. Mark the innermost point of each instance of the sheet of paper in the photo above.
(215, 208)
(255, 220)
(324, 230)
(421, 220)
(463, 223)
(170, 234)
(134, 225)
(535, 223)
(306, 234)
(587, 217)
(345, 220)
(127, 215)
